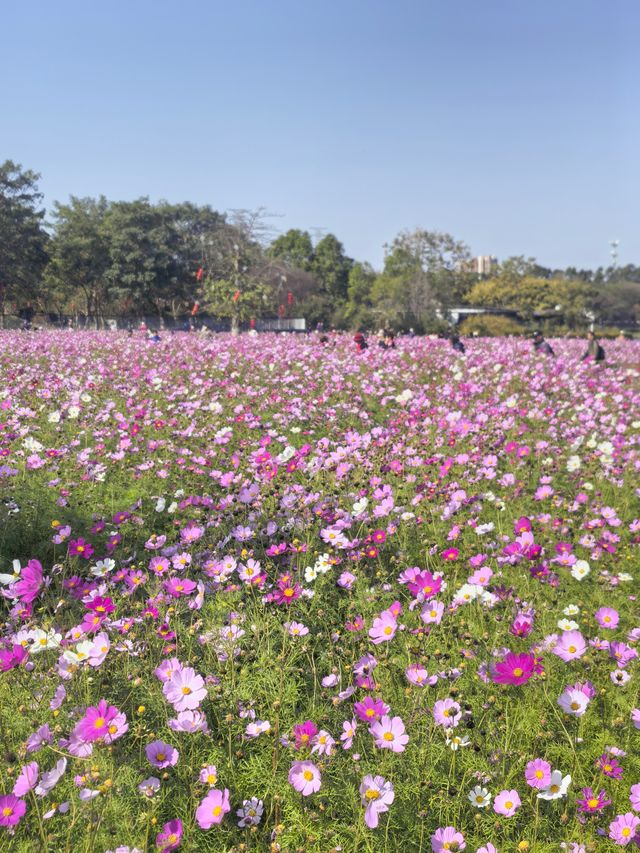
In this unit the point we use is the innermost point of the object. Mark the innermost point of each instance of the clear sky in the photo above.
(512, 124)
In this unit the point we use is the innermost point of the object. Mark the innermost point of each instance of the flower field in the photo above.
(264, 594)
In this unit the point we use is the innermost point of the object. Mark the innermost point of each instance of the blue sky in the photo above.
(513, 125)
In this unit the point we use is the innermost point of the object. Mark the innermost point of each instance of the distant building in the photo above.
(481, 265)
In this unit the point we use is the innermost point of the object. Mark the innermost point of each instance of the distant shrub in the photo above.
(491, 326)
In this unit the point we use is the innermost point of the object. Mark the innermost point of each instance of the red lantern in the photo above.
(236, 296)
(199, 274)
(194, 310)
(252, 323)
(289, 298)
(282, 311)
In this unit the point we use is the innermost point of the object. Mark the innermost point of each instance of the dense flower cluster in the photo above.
(297, 596)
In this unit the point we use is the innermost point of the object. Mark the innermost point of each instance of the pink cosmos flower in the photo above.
(447, 713)
(348, 733)
(161, 754)
(622, 830)
(213, 808)
(487, 848)
(389, 733)
(445, 838)
(26, 780)
(95, 723)
(384, 628)
(419, 676)
(514, 669)
(170, 836)
(607, 617)
(635, 717)
(209, 775)
(322, 743)
(377, 795)
(507, 803)
(167, 669)
(570, 646)
(305, 778)
(185, 690)
(432, 613)
(538, 773)
(634, 797)
(11, 810)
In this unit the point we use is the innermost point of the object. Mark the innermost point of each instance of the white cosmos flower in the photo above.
(479, 797)
(557, 787)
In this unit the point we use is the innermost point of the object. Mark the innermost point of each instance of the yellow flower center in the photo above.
(518, 672)
(212, 779)
(573, 649)
(508, 804)
(307, 775)
(388, 630)
(160, 756)
(539, 774)
(217, 810)
(387, 736)
(593, 803)
(98, 722)
(371, 794)
(6, 811)
(186, 690)
(575, 706)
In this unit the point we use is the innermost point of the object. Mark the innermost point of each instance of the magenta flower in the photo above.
(213, 808)
(370, 709)
(377, 795)
(30, 583)
(11, 810)
(170, 836)
(622, 830)
(305, 778)
(303, 733)
(80, 548)
(175, 587)
(538, 773)
(507, 803)
(592, 803)
(95, 723)
(609, 766)
(634, 797)
(447, 838)
(161, 754)
(389, 733)
(514, 669)
(185, 690)
(384, 628)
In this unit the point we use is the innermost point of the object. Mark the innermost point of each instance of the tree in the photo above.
(23, 240)
(331, 268)
(425, 273)
(358, 310)
(79, 256)
(294, 248)
(570, 300)
(239, 285)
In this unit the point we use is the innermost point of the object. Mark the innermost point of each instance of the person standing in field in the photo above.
(542, 346)
(595, 350)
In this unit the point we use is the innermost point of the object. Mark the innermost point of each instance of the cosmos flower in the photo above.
(304, 777)
(377, 795)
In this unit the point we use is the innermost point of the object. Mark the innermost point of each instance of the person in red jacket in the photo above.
(360, 341)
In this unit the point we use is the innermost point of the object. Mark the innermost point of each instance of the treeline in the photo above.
(98, 258)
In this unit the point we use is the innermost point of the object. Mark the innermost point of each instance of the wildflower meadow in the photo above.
(265, 594)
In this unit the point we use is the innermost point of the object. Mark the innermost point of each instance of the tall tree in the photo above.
(23, 240)
(77, 273)
(294, 248)
(331, 267)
